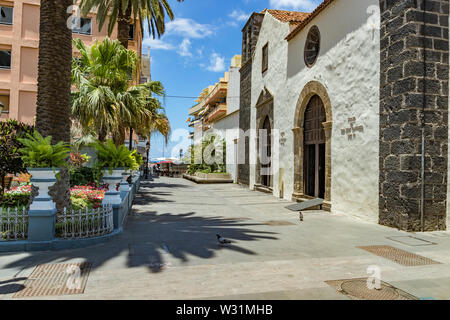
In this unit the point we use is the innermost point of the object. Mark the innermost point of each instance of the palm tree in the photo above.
(106, 101)
(151, 114)
(122, 11)
(54, 67)
(102, 75)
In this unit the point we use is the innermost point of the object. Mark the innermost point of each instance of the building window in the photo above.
(85, 26)
(5, 59)
(131, 34)
(4, 99)
(6, 15)
(265, 57)
(312, 46)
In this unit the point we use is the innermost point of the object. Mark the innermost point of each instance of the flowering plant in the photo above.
(89, 193)
(78, 159)
(21, 190)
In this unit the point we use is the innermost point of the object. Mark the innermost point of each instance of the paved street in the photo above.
(169, 250)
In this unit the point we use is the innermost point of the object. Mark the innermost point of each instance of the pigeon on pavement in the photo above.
(301, 216)
(222, 240)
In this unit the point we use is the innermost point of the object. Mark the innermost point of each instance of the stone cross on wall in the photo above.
(351, 132)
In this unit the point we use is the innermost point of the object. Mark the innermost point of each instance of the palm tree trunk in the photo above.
(123, 25)
(130, 147)
(119, 136)
(54, 84)
(102, 133)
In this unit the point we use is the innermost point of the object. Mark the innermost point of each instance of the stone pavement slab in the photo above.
(169, 250)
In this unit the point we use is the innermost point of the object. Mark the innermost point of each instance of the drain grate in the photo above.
(278, 223)
(399, 256)
(56, 280)
(411, 241)
(357, 289)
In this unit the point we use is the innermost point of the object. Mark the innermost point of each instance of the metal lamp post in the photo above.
(147, 150)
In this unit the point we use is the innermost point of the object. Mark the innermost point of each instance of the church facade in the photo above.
(349, 103)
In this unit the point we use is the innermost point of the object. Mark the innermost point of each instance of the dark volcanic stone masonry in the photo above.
(250, 35)
(414, 90)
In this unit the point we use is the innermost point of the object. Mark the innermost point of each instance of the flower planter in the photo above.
(124, 185)
(43, 179)
(134, 176)
(112, 196)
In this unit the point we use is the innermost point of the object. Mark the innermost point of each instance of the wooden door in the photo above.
(266, 177)
(314, 148)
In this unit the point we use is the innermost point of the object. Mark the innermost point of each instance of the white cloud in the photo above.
(188, 28)
(157, 44)
(200, 51)
(307, 5)
(184, 48)
(239, 15)
(217, 63)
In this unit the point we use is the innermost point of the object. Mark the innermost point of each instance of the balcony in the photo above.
(218, 112)
(217, 93)
(196, 109)
(193, 123)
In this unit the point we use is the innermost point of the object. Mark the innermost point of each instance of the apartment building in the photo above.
(217, 113)
(19, 51)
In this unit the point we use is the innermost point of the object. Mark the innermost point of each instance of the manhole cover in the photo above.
(358, 289)
(279, 223)
(56, 280)
(399, 256)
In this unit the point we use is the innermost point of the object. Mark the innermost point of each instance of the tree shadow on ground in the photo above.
(152, 239)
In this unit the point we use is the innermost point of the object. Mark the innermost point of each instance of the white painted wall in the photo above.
(228, 129)
(274, 33)
(348, 67)
(198, 132)
(233, 93)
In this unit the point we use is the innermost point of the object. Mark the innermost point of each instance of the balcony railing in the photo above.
(218, 112)
(221, 86)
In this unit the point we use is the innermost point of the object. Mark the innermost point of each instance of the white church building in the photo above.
(353, 103)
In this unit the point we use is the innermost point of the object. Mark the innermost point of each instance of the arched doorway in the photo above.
(318, 130)
(266, 161)
(314, 148)
(264, 135)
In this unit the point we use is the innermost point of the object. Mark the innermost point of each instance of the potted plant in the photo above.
(43, 161)
(130, 175)
(114, 161)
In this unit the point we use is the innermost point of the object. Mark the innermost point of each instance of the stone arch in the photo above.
(311, 89)
(264, 110)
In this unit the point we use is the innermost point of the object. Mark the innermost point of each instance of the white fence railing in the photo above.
(85, 223)
(13, 224)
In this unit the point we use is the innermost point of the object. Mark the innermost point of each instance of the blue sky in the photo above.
(197, 49)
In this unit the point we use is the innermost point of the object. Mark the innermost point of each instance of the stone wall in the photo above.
(244, 122)
(250, 34)
(413, 94)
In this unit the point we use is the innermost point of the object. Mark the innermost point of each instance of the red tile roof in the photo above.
(292, 17)
(308, 19)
